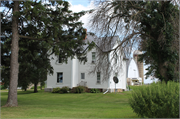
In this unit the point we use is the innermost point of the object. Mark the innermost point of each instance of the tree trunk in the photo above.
(14, 65)
(35, 87)
(162, 70)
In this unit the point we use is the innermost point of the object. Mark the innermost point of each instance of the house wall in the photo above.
(73, 69)
(91, 79)
(120, 68)
(74, 73)
(59, 67)
(121, 76)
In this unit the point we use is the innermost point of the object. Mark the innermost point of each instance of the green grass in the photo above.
(52, 105)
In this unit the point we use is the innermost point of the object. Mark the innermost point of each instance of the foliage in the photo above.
(129, 87)
(160, 40)
(87, 90)
(78, 89)
(65, 89)
(3, 87)
(94, 90)
(41, 26)
(152, 24)
(159, 100)
(56, 90)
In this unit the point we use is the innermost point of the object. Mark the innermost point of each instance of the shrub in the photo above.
(56, 90)
(78, 89)
(3, 87)
(64, 89)
(93, 90)
(60, 92)
(87, 90)
(159, 100)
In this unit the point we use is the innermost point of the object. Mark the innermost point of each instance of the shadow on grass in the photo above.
(25, 92)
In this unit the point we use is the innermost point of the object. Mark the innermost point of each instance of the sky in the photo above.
(79, 5)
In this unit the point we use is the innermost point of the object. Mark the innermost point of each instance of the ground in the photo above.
(51, 105)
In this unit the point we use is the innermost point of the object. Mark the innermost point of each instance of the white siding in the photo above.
(62, 67)
(75, 72)
(73, 69)
(121, 76)
(91, 79)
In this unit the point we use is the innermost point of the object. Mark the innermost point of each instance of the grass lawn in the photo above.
(51, 105)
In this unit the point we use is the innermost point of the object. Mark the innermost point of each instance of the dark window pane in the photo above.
(59, 77)
(98, 77)
(93, 57)
(60, 59)
(82, 75)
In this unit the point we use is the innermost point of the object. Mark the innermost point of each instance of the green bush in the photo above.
(159, 100)
(3, 87)
(78, 89)
(93, 90)
(87, 89)
(56, 90)
(64, 89)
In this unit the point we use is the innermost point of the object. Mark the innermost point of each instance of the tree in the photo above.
(160, 49)
(34, 63)
(50, 22)
(150, 22)
(30, 52)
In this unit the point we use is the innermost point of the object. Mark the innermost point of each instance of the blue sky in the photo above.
(81, 2)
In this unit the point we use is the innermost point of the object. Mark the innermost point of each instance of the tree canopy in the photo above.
(152, 25)
(32, 28)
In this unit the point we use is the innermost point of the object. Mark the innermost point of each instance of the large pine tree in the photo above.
(51, 22)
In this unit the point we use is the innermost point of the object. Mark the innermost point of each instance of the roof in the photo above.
(104, 43)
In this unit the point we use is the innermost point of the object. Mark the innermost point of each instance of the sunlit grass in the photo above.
(50, 105)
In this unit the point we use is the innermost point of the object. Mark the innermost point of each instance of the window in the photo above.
(61, 57)
(93, 57)
(59, 77)
(82, 75)
(98, 77)
(116, 74)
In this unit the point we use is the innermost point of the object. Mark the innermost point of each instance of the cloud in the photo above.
(78, 8)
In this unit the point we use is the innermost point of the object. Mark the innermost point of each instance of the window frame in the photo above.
(84, 75)
(98, 81)
(60, 59)
(93, 57)
(116, 74)
(58, 80)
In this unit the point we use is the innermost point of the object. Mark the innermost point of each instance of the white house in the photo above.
(75, 73)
